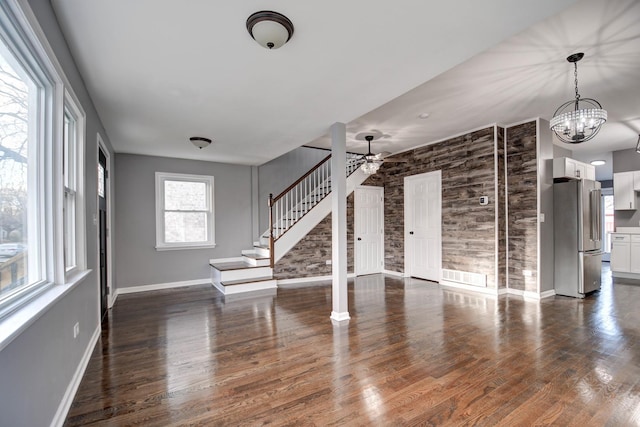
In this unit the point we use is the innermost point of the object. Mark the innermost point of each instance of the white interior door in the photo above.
(369, 230)
(423, 225)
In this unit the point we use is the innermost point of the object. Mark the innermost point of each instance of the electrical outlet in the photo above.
(527, 273)
(76, 330)
(328, 262)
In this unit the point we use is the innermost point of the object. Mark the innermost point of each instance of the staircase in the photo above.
(293, 214)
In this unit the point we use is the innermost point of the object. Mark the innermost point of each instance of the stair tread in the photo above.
(255, 256)
(234, 265)
(243, 281)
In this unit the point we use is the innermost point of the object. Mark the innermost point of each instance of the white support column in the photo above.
(339, 222)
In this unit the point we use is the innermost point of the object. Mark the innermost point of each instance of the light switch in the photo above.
(541, 217)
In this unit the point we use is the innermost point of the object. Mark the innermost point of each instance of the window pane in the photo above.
(185, 196)
(69, 213)
(185, 227)
(100, 180)
(17, 126)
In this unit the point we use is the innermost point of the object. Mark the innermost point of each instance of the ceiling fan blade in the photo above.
(394, 161)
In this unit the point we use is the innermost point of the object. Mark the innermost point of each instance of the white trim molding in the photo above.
(476, 289)
(160, 286)
(395, 273)
(209, 211)
(72, 388)
(310, 280)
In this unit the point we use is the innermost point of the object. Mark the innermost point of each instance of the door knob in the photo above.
(411, 232)
(359, 238)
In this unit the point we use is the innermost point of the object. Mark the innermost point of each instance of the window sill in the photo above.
(179, 248)
(18, 321)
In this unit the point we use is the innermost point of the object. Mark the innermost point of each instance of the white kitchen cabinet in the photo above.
(634, 259)
(624, 197)
(621, 253)
(564, 167)
(590, 172)
(636, 180)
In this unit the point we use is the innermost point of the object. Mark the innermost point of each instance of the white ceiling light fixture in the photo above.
(200, 141)
(598, 162)
(570, 122)
(270, 29)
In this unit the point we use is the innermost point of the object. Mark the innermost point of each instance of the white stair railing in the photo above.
(288, 207)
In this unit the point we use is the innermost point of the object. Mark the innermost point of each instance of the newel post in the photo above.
(271, 240)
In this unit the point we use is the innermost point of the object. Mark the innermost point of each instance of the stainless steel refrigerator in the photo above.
(577, 220)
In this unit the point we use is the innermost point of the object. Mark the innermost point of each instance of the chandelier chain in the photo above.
(575, 74)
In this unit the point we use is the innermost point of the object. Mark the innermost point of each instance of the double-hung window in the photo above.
(184, 211)
(41, 137)
(72, 171)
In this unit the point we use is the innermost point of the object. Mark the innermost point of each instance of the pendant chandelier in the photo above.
(371, 161)
(580, 119)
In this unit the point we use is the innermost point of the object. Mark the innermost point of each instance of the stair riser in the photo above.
(241, 274)
(247, 287)
(262, 251)
(256, 262)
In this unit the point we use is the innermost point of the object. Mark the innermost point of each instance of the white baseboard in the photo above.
(340, 317)
(310, 280)
(159, 286)
(72, 388)
(547, 294)
(394, 273)
(477, 289)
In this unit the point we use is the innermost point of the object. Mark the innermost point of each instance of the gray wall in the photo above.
(37, 367)
(625, 161)
(139, 263)
(279, 173)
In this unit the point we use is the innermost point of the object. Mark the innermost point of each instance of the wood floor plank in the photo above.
(412, 354)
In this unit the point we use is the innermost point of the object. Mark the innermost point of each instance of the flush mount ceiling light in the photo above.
(580, 119)
(598, 162)
(200, 142)
(270, 29)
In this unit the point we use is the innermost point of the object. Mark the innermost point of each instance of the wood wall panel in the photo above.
(501, 209)
(522, 181)
(468, 229)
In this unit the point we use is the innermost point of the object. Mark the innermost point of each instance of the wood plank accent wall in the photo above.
(501, 208)
(308, 258)
(522, 181)
(467, 163)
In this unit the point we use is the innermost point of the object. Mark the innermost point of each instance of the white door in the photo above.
(368, 230)
(423, 226)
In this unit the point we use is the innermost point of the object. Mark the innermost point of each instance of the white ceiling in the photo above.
(160, 71)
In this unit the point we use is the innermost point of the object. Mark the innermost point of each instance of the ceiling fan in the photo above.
(372, 162)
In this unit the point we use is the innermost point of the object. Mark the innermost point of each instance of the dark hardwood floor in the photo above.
(412, 354)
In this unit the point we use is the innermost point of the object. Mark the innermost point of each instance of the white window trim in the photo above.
(19, 314)
(71, 101)
(161, 245)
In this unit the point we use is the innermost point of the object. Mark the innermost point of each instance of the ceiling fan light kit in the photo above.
(270, 29)
(200, 141)
(371, 161)
(580, 119)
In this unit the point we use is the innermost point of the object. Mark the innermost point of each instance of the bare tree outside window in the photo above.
(14, 136)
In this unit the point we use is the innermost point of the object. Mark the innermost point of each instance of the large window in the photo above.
(41, 134)
(22, 107)
(184, 211)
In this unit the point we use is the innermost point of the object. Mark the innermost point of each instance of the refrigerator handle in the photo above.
(596, 215)
(599, 213)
